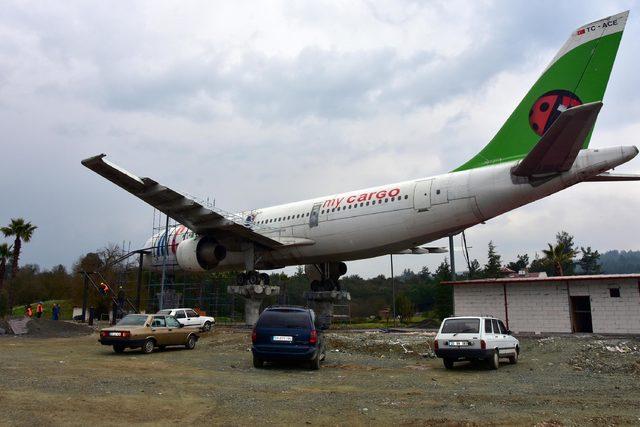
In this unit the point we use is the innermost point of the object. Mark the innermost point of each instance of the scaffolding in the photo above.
(206, 292)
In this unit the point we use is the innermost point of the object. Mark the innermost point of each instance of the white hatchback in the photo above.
(475, 338)
(189, 317)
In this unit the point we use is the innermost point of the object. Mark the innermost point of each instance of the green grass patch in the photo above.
(66, 309)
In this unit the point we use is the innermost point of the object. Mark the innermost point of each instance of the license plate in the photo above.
(281, 338)
(458, 343)
(114, 334)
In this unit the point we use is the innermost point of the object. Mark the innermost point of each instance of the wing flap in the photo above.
(559, 146)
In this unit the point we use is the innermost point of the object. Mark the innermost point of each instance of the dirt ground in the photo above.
(369, 378)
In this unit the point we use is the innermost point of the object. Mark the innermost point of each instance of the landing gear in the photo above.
(325, 276)
(252, 278)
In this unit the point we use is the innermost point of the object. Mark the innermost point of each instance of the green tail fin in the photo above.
(577, 75)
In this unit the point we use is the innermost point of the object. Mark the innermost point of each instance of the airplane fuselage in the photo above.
(387, 219)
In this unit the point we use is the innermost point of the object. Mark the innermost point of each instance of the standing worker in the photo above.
(104, 288)
(55, 312)
(39, 310)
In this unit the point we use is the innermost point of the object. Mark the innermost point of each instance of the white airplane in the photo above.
(541, 149)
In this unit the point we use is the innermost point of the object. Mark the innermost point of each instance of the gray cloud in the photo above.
(292, 103)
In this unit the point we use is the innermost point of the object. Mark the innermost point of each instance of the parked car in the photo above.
(189, 317)
(475, 338)
(285, 333)
(148, 331)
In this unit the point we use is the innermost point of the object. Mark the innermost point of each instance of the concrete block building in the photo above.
(608, 304)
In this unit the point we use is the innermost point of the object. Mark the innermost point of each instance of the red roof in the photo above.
(507, 280)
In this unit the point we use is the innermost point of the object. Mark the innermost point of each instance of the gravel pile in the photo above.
(382, 344)
(608, 356)
(46, 328)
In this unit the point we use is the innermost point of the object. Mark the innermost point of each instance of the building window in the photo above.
(614, 292)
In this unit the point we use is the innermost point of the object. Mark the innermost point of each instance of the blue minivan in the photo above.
(285, 333)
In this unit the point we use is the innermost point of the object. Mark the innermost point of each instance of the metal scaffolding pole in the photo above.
(139, 281)
(164, 263)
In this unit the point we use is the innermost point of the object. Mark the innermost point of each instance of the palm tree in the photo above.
(22, 231)
(557, 256)
(5, 254)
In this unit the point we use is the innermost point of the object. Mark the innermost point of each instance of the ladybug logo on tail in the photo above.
(548, 107)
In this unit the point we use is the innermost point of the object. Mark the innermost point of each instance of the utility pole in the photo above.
(393, 290)
(164, 262)
(453, 261)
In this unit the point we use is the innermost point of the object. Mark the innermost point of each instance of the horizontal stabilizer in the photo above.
(557, 149)
(419, 250)
(614, 177)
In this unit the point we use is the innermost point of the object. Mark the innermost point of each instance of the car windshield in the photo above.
(461, 326)
(284, 319)
(133, 320)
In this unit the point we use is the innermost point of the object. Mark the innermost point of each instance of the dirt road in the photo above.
(372, 379)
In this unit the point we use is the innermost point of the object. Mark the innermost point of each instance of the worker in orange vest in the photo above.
(29, 311)
(39, 310)
(104, 288)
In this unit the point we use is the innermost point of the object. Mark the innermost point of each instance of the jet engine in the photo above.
(200, 253)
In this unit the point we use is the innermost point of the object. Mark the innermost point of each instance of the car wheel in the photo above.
(191, 343)
(257, 362)
(315, 363)
(514, 359)
(448, 363)
(494, 360)
(147, 347)
(118, 348)
(207, 326)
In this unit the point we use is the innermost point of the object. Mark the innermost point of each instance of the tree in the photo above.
(5, 255)
(444, 293)
(22, 231)
(474, 269)
(492, 268)
(424, 274)
(404, 308)
(521, 264)
(558, 257)
(590, 261)
(566, 240)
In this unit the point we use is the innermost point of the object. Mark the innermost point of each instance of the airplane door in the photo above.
(439, 191)
(422, 195)
(314, 215)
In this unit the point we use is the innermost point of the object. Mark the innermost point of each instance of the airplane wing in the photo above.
(614, 177)
(557, 149)
(183, 209)
(419, 250)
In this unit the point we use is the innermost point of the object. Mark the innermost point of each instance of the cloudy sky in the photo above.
(260, 103)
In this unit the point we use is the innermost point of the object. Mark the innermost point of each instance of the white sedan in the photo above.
(189, 317)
